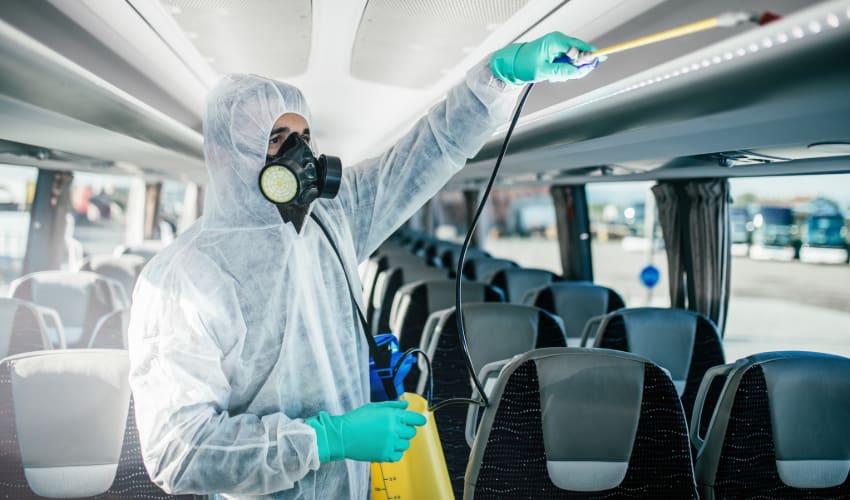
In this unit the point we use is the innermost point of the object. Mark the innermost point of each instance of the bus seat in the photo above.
(575, 302)
(516, 282)
(450, 257)
(433, 251)
(23, 328)
(494, 332)
(581, 423)
(70, 453)
(779, 430)
(80, 298)
(111, 331)
(124, 269)
(414, 303)
(483, 268)
(50, 451)
(379, 262)
(683, 342)
(389, 282)
(147, 249)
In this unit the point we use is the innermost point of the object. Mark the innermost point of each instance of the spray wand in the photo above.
(580, 60)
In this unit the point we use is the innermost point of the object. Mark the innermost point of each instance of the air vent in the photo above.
(413, 43)
(266, 37)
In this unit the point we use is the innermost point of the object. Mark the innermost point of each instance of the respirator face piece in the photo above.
(295, 177)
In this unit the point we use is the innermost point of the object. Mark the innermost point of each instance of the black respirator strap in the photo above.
(383, 358)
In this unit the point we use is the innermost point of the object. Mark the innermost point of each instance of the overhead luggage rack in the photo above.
(738, 94)
(70, 109)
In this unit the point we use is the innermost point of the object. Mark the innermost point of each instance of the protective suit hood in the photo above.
(243, 327)
(241, 111)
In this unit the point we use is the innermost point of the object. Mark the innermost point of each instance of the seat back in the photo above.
(450, 256)
(435, 249)
(494, 332)
(581, 423)
(414, 302)
(124, 269)
(387, 285)
(575, 302)
(516, 282)
(483, 268)
(147, 249)
(683, 342)
(381, 261)
(80, 298)
(22, 328)
(111, 331)
(66, 430)
(779, 428)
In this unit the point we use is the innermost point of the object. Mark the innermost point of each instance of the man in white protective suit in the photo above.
(249, 369)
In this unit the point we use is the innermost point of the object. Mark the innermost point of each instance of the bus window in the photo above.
(521, 227)
(98, 205)
(790, 290)
(17, 187)
(620, 246)
(171, 205)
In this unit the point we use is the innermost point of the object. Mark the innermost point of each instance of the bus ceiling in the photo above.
(742, 94)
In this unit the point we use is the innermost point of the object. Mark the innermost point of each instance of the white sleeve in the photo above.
(190, 443)
(379, 194)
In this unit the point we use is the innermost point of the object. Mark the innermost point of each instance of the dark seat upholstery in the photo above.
(494, 332)
(781, 428)
(111, 331)
(450, 257)
(387, 285)
(80, 298)
(433, 251)
(683, 342)
(124, 269)
(483, 268)
(381, 261)
(575, 302)
(516, 282)
(567, 423)
(22, 328)
(415, 302)
(131, 479)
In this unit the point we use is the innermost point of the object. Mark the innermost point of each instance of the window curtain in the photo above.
(694, 218)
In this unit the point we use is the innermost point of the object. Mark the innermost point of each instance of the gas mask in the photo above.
(294, 178)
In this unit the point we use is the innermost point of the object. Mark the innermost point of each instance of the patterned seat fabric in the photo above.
(494, 332)
(683, 342)
(378, 263)
(131, 478)
(415, 302)
(544, 437)
(387, 285)
(778, 410)
(21, 329)
(81, 299)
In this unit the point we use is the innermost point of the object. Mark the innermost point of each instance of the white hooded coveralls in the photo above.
(243, 327)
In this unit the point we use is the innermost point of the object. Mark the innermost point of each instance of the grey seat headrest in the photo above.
(665, 336)
(600, 397)
(809, 401)
(590, 407)
(70, 413)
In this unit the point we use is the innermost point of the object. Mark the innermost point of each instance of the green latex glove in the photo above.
(375, 432)
(519, 63)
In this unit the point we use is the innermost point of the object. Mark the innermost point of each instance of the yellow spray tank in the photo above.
(421, 474)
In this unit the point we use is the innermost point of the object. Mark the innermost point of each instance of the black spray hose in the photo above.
(484, 402)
